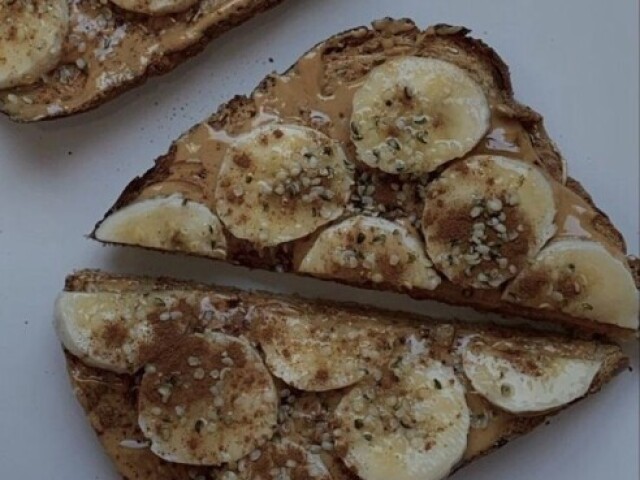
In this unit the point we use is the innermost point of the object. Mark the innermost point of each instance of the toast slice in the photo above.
(97, 50)
(396, 159)
(184, 380)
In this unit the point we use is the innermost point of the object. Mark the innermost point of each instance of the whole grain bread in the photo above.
(113, 43)
(110, 400)
(349, 56)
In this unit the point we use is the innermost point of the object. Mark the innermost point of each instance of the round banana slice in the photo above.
(412, 425)
(413, 114)
(317, 352)
(155, 7)
(283, 459)
(371, 249)
(581, 278)
(527, 377)
(120, 331)
(31, 37)
(208, 401)
(282, 182)
(167, 223)
(484, 217)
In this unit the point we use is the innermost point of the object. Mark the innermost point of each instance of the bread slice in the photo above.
(109, 50)
(232, 187)
(319, 354)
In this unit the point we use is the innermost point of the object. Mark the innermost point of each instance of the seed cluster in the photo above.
(382, 413)
(279, 461)
(362, 198)
(401, 130)
(321, 436)
(489, 234)
(217, 412)
(372, 252)
(307, 179)
(553, 289)
(389, 196)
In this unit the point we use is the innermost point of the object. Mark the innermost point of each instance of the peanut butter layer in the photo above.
(318, 91)
(305, 418)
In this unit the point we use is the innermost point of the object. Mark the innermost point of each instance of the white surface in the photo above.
(575, 61)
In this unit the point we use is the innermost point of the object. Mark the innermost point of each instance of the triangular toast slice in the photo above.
(397, 159)
(184, 380)
(71, 56)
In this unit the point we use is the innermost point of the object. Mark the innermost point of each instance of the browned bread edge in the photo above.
(89, 394)
(551, 161)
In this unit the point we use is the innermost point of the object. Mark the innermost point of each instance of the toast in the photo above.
(330, 383)
(96, 50)
(334, 170)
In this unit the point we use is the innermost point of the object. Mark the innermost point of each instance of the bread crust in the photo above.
(552, 160)
(159, 65)
(487, 68)
(109, 400)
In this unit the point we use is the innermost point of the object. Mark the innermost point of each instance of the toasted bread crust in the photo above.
(487, 68)
(245, 10)
(109, 400)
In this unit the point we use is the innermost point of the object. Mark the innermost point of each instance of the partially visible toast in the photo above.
(109, 50)
(306, 418)
(317, 93)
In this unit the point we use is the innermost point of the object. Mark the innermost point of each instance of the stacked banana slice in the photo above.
(579, 277)
(393, 397)
(414, 114)
(485, 217)
(526, 376)
(282, 182)
(168, 223)
(371, 249)
(121, 331)
(320, 355)
(412, 425)
(198, 403)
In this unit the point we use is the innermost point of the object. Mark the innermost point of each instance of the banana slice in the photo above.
(413, 114)
(167, 223)
(412, 425)
(283, 459)
(155, 7)
(31, 36)
(484, 217)
(581, 278)
(282, 182)
(371, 249)
(522, 377)
(120, 331)
(208, 401)
(316, 352)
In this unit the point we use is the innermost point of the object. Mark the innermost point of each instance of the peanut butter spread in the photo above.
(108, 50)
(299, 96)
(318, 92)
(305, 419)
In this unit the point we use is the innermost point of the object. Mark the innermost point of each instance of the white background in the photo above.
(574, 61)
